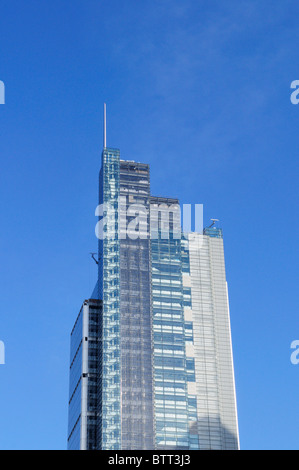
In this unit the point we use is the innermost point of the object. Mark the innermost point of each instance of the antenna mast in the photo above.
(105, 127)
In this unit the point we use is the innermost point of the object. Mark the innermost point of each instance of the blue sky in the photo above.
(201, 91)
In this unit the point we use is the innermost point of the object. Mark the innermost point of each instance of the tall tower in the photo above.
(158, 373)
(125, 285)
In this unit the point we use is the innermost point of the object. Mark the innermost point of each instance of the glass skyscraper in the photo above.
(151, 353)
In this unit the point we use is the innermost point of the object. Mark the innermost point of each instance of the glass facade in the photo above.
(126, 377)
(211, 391)
(83, 405)
(171, 398)
(74, 422)
(135, 309)
(213, 232)
(156, 370)
(109, 277)
(189, 345)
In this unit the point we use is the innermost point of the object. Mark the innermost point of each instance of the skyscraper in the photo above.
(151, 361)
